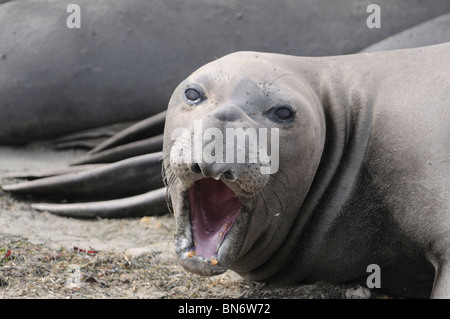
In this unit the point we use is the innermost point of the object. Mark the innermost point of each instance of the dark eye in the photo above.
(193, 96)
(281, 114)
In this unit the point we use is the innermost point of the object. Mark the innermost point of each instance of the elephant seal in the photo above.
(146, 136)
(363, 177)
(126, 58)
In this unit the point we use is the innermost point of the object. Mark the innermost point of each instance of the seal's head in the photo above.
(242, 142)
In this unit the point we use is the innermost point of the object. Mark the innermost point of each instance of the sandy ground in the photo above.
(46, 256)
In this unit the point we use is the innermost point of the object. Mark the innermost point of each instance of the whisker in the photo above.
(172, 179)
(287, 178)
(219, 71)
(169, 202)
(168, 176)
(269, 208)
(281, 204)
(277, 179)
(168, 169)
(265, 205)
(279, 77)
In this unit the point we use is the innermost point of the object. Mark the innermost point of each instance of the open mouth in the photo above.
(212, 227)
(214, 208)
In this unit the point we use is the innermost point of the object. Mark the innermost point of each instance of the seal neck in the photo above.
(348, 117)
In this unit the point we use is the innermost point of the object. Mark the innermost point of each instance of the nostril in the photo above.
(195, 168)
(229, 176)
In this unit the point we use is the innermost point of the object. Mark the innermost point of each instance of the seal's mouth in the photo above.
(214, 208)
(211, 227)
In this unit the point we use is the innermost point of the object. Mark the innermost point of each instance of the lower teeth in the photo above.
(214, 261)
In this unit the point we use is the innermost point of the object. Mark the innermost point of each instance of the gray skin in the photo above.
(128, 56)
(108, 70)
(94, 65)
(363, 168)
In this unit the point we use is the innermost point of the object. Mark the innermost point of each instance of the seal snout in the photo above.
(229, 113)
(213, 171)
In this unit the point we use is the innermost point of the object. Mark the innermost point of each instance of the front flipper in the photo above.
(91, 138)
(141, 138)
(49, 173)
(127, 183)
(128, 177)
(149, 145)
(152, 203)
(149, 127)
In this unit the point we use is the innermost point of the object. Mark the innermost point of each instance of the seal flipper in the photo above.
(152, 203)
(129, 173)
(49, 173)
(146, 146)
(87, 144)
(149, 127)
(85, 140)
(141, 138)
(129, 177)
(91, 138)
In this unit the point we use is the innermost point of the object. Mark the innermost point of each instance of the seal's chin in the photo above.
(209, 239)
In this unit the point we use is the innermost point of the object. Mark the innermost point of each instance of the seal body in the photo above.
(126, 58)
(363, 174)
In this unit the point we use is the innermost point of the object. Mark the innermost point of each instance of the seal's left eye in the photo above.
(192, 95)
(284, 113)
(281, 114)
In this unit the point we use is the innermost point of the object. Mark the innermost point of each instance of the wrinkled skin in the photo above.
(130, 83)
(118, 64)
(224, 108)
(128, 56)
(362, 177)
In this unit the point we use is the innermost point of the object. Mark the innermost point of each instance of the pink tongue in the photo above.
(214, 207)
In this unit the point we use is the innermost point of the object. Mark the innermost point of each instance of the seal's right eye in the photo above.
(282, 114)
(193, 96)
